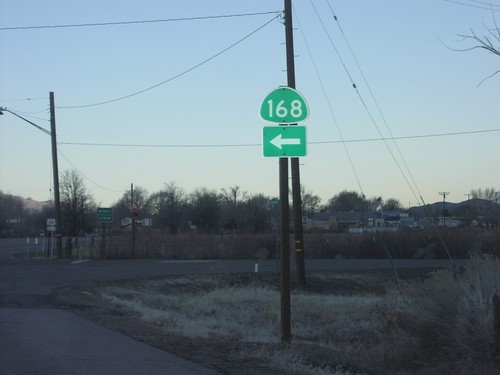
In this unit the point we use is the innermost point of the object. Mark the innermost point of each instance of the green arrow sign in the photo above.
(284, 105)
(284, 141)
(104, 215)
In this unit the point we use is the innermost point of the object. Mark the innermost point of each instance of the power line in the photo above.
(487, 3)
(86, 177)
(260, 145)
(363, 102)
(26, 113)
(29, 114)
(318, 76)
(2, 109)
(376, 103)
(138, 22)
(22, 99)
(482, 5)
(412, 136)
(143, 145)
(177, 75)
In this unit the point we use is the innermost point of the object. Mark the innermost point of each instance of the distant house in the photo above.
(449, 222)
(320, 222)
(359, 221)
(349, 220)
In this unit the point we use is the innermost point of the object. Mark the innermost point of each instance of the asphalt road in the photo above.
(40, 336)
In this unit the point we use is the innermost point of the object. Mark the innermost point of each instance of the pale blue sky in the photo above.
(421, 86)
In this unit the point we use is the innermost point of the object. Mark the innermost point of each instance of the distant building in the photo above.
(359, 221)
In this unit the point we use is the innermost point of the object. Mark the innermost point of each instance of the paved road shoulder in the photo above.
(54, 341)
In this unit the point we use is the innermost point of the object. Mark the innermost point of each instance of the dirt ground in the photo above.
(228, 357)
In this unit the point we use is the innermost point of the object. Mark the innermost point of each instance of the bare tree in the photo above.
(206, 209)
(170, 206)
(489, 194)
(258, 213)
(11, 211)
(77, 204)
(232, 200)
(310, 202)
(489, 42)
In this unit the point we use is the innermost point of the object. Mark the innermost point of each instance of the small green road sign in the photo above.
(284, 141)
(273, 202)
(284, 105)
(104, 215)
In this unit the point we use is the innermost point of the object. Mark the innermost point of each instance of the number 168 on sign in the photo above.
(284, 105)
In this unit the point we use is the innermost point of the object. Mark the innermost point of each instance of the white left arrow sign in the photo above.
(284, 141)
(279, 141)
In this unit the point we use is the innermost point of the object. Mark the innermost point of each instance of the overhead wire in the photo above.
(382, 116)
(177, 75)
(388, 128)
(384, 246)
(229, 145)
(95, 24)
(26, 120)
(487, 3)
(85, 176)
(318, 76)
(27, 113)
(23, 99)
(360, 97)
(483, 5)
(413, 136)
(160, 145)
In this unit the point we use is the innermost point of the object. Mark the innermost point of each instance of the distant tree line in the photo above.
(174, 210)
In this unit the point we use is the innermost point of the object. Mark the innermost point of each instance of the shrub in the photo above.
(453, 316)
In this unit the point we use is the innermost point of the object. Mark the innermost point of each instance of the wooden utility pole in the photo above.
(296, 191)
(286, 330)
(444, 194)
(133, 214)
(286, 334)
(55, 169)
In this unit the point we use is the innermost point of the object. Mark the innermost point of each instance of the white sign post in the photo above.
(51, 227)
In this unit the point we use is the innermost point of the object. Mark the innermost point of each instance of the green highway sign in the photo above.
(104, 215)
(284, 141)
(284, 105)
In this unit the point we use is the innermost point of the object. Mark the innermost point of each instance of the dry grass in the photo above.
(453, 317)
(244, 310)
(343, 324)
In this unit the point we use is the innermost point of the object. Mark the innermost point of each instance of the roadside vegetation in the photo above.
(350, 323)
(173, 210)
(404, 244)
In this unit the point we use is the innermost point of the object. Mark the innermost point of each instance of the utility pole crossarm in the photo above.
(444, 194)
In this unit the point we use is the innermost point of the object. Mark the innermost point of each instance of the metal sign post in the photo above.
(104, 216)
(51, 227)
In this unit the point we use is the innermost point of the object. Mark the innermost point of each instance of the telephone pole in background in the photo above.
(55, 169)
(133, 211)
(296, 192)
(444, 194)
